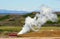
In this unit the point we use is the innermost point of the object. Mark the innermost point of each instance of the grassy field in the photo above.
(10, 28)
(18, 28)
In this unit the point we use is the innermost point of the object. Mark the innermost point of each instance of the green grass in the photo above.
(50, 28)
(10, 28)
(18, 28)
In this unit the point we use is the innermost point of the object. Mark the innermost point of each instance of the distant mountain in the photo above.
(2, 11)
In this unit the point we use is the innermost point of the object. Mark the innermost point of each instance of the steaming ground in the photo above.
(46, 14)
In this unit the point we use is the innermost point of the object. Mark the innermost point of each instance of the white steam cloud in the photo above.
(34, 24)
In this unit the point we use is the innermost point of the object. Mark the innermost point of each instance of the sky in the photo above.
(29, 5)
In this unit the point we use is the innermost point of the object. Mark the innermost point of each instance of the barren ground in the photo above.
(53, 34)
(34, 38)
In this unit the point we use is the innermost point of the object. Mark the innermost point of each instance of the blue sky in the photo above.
(29, 5)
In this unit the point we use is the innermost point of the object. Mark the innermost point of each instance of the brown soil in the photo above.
(34, 38)
(52, 33)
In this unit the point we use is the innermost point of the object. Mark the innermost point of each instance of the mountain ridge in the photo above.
(2, 11)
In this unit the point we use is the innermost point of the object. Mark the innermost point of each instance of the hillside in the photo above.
(12, 20)
(18, 20)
